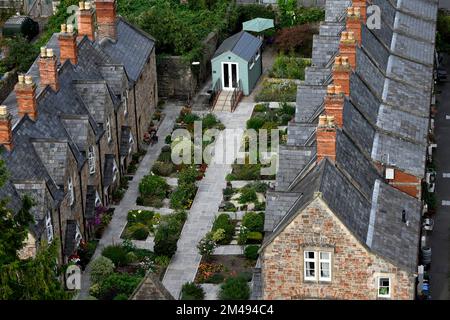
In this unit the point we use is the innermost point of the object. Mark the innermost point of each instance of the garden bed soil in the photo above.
(233, 265)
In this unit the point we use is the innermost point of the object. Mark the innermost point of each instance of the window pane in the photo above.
(310, 269)
(325, 256)
(325, 270)
(309, 254)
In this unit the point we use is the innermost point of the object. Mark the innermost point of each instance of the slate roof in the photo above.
(132, 48)
(125, 140)
(108, 173)
(151, 288)
(70, 242)
(242, 44)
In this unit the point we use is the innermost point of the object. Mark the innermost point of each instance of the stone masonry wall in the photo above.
(354, 268)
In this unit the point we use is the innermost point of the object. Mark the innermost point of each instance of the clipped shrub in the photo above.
(116, 284)
(121, 296)
(251, 252)
(261, 107)
(218, 235)
(101, 268)
(255, 123)
(254, 237)
(253, 221)
(216, 278)
(153, 186)
(132, 257)
(138, 231)
(192, 291)
(209, 121)
(162, 261)
(141, 216)
(246, 275)
(117, 254)
(247, 195)
(234, 288)
(165, 241)
(223, 221)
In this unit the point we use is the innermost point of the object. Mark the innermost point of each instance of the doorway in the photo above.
(230, 75)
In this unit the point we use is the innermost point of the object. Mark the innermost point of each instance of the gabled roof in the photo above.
(242, 44)
(151, 288)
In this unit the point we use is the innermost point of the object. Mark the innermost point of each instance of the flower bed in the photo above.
(103, 217)
(277, 90)
(153, 190)
(221, 267)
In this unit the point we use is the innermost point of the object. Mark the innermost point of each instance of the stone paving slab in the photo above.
(184, 264)
(211, 290)
(229, 250)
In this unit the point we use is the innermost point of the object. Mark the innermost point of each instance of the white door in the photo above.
(230, 75)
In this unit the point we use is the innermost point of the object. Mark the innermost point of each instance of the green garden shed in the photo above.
(237, 63)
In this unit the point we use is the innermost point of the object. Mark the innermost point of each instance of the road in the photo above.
(440, 240)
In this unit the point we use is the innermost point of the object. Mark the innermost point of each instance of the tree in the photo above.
(20, 56)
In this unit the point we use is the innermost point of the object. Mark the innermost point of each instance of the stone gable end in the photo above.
(354, 269)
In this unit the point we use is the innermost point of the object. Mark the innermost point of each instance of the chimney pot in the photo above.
(26, 97)
(330, 121)
(87, 5)
(344, 35)
(357, 11)
(338, 89)
(70, 28)
(81, 5)
(330, 89)
(3, 111)
(64, 28)
(350, 11)
(338, 60)
(21, 78)
(49, 52)
(43, 52)
(28, 80)
(351, 35)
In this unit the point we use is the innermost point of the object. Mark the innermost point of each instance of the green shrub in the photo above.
(246, 275)
(167, 234)
(101, 268)
(153, 186)
(140, 216)
(132, 257)
(281, 91)
(168, 139)
(117, 283)
(248, 195)
(253, 221)
(251, 252)
(234, 289)
(289, 67)
(121, 296)
(210, 121)
(254, 237)
(218, 235)
(187, 175)
(166, 155)
(260, 187)
(207, 245)
(162, 261)
(223, 221)
(255, 123)
(139, 231)
(192, 291)
(163, 169)
(246, 172)
(261, 107)
(117, 254)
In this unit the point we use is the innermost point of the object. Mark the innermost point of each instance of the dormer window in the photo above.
(70, 191)
(49, 227)
(91, 159)
(108, 130)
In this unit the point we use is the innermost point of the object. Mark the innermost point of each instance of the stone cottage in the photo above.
(344, 220)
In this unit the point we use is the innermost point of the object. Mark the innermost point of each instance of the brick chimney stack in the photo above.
(341, 74)
(354, 23)
(347, 47)
(86, 21)
(334, 104)
(48, 69)
(26, 97)
(361, 9)
(326, 138)
(68, 44)
(5, 128)
(106, 19)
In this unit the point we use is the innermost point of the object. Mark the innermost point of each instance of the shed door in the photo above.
(229, 75)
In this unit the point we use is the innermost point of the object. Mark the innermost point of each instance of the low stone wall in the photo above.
(177, 79)
(7, 84)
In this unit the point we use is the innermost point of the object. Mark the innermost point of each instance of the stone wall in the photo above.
(179, 80)
(355, 270)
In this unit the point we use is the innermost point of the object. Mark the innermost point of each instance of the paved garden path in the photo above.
(113, 231)
(185, 262)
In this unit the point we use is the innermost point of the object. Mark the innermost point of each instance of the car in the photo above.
(428, 224)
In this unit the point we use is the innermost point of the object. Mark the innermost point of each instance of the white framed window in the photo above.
(325, 266)
(78, 236)
(258, 54)
(115, 171)
(310, 265)
(70, 191)
(125, 103)
(49, 227)
(317, 266)
(108, 129)
(91, 159)
(384, 287)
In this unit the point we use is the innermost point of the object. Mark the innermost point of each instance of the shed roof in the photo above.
(242, 44)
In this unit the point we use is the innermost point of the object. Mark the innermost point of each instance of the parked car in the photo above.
(431, 181)
(20, 25)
